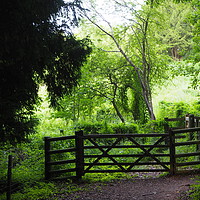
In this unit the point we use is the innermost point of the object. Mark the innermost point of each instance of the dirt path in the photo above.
(152, 188)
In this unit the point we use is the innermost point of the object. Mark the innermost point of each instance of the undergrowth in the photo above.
(28, 162)
(195, 191)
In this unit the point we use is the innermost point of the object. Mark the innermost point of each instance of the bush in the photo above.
(39, 191)
(178, 109)
(105, 128)
(125, 128)
(89, 127)
(195, 192)
(153, 126)
(173, 110)
(27, 171)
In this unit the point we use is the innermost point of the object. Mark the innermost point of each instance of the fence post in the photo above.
(79, 155)
(47, 157)
(9, 178)
(196, 123)
(172, 152)
(191, 125)
(166, 130)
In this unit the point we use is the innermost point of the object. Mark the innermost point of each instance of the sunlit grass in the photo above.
(176, 90)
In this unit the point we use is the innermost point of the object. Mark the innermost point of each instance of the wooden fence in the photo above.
(188, 121)
(119, 153)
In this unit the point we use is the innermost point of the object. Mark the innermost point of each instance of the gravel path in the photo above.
(140, 188)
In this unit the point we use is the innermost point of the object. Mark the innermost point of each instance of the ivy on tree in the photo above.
(36, 48)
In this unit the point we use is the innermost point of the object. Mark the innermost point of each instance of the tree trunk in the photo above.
(118, 112)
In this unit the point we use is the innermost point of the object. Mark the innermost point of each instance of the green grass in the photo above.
(176, 90)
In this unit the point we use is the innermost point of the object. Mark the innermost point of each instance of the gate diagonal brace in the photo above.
(104, 153)
(147, 152)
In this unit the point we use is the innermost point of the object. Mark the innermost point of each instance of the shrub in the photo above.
(125, 128)
(153, 126)
(39, 191)
(195, 192)
(178, 109)
(173, 110)
(89, 127)
(105, 128)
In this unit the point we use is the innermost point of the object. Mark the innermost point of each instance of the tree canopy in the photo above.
(132, 58)
(36, 48)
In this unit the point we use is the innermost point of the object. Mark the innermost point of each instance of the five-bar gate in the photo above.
(73, 156)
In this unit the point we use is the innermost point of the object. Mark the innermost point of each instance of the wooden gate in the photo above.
(118, 153)
(181, 160)
(125, 153)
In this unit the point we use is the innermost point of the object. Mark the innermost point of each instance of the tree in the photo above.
(177, 31)
(138, 32)
(191, 13)
(148, 40)
(194, 17)
(108, 84)
(36, 48)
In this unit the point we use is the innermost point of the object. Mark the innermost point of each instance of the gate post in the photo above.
(172, 152)
(79, 155)
(47, 157)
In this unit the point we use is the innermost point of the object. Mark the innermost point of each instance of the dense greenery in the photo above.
(35, 49)
(111, 86)
(141, 69)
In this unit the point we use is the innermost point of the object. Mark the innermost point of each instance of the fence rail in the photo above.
(150, 157)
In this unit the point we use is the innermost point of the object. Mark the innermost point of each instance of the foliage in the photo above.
(195, 20)
(35, 48)
(195, 192)
(39, 190)
(105, 128)
(177, 30)
(27, 171)
(153, 126)
(179, 109)
(109, 88)
(189, 69)
(142, 48)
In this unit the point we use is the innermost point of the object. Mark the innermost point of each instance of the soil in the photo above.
(142, 187)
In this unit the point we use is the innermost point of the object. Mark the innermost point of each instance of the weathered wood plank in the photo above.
(172, 152)
(186, 130)
(128, 146)
(127, 155)
(79, 154)
(60, 171)
(62, 138)
(124, 135)
(187, 154)
(47, 148)
(62, 151)
(126, 163)
(174, 119)
(132, 170)
(62, 162)
(188, 163)
(187, 143)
